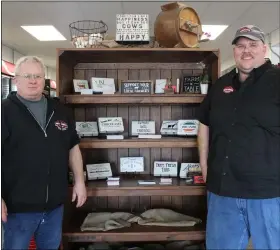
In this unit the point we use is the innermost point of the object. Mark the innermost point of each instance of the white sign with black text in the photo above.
(142, 127)
(99, 171)
(131, 164)
(87, 128)
(166, 168)
(104, 85)
(189, 167)
(110, 124)
(132, 27)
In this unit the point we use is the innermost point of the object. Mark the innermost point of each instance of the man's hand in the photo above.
(4, 211)
(204, 171)
(79, 193)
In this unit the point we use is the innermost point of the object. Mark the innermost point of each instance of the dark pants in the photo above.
(46, 228)
(231, 222)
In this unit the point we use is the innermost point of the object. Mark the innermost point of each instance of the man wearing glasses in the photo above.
(239, 148)
(39, 142)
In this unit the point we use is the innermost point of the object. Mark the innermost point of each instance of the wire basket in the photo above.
(87, 33)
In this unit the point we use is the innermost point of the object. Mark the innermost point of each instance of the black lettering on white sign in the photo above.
(132, 27)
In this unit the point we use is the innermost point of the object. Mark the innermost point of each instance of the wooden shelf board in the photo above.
(131, 55)
(134, 99)
(164, 142)
(133, 233)
(130, 187)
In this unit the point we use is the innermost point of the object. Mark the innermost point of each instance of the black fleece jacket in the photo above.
(35, 160)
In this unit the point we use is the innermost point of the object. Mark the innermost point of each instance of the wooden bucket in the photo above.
(177, 25)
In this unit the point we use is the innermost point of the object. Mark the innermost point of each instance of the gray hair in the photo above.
(24, 59)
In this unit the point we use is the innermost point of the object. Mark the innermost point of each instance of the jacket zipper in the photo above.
(44, 130)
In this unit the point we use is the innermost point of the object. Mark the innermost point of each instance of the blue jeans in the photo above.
(45, 227)
(231, 222)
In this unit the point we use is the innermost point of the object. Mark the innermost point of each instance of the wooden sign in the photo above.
(132, 28)
(165, 168)
(142, 127)
(110, 124)
(191, 84)
(98, 171)
(169, 128)
(80, 84)
(103, 85)
(187, 127)
(87, 128)
(131, 164)
(189, 167)
(136, 87)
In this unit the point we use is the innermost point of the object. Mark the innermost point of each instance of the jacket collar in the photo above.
(51, 104)
(256, 72)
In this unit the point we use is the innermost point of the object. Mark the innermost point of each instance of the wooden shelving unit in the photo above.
(135, 64)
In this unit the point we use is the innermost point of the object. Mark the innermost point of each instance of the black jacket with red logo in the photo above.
(35, 160)
(244, 130)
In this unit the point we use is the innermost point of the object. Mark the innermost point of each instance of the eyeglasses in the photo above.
(250, 46)
(32, 76)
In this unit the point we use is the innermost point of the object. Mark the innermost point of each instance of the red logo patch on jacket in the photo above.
(61, 125)
(228, 89)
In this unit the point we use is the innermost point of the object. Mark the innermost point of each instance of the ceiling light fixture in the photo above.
(211, 32)
(44, 32)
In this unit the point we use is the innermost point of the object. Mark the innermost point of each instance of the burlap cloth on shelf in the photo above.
(154, 217)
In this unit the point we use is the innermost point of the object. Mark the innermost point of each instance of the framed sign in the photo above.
(136, 87)
(166, 168)
(191, 84)
(132, 28)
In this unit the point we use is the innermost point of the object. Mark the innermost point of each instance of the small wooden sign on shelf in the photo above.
(136, 87)
(191, 84)
(87, 129)
(103, 85)
(98, 171)
(166, 168)
(187, 168)
(142, 127)
(131, 164)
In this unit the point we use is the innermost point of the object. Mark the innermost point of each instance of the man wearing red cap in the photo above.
(239, 149)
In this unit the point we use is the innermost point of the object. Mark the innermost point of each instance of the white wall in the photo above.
(11, 55)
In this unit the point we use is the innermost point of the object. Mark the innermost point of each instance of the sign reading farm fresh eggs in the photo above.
(132, 27)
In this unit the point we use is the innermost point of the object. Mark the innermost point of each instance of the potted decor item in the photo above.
(204, 83)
